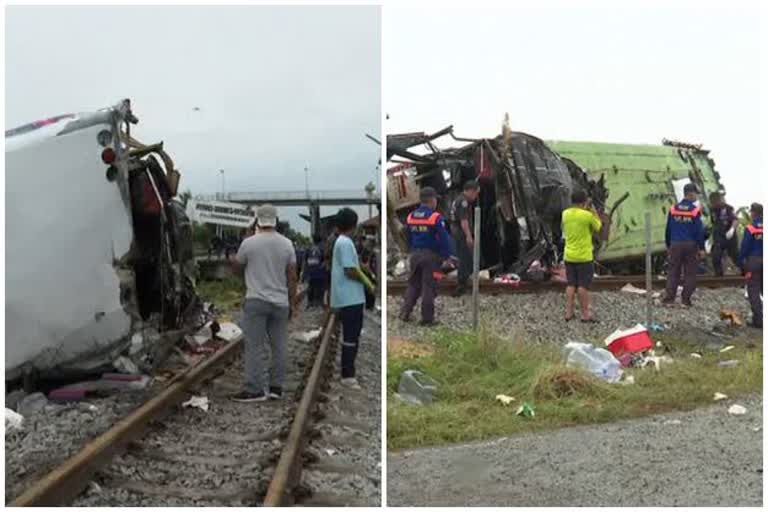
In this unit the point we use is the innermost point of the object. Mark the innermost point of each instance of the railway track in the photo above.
(398, 286)
(162, 454)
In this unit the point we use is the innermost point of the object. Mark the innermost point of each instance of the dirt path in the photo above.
(704, 457)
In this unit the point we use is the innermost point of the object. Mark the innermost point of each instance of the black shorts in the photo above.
(579, 274)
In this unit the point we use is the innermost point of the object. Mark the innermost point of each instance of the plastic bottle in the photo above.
(597, 361)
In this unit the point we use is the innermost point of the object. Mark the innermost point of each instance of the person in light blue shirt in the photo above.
(347, 293)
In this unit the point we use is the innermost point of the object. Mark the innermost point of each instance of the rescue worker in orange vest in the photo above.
(750, 260)
(685, 245)
(429, 245)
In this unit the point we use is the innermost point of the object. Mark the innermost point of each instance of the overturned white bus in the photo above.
(98, 253)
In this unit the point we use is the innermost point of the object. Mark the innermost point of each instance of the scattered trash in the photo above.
(629, 341)
(628, 380)
(730, 363)
(505, 399)
(229, 331)
(137, 343)
(737, 410)
(330, 451)
(94, 488)
(673, 422)
(13, 420)
(509, 279)
(526, 411)
(200, 402)
(629, 288)
(416, 388)
(32, 404)
(656, 361)
(727, 348)
(484, 275)
(306, 336)
(695, 355)
(732, 317)
(757, 429)
(125, 365)
(400, 268)
(597, 361)
(719, 396)
(657, 327)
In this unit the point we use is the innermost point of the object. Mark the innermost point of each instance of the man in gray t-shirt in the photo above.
(268, 261)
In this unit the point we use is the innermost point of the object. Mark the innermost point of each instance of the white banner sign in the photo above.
(221, 213)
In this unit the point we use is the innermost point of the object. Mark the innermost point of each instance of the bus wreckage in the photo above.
(525, 184)
(99, 256)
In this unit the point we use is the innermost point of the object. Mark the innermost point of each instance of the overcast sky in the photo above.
(278, 88)
(630, 75)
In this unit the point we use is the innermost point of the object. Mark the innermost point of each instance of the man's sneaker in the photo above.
(275, 393)
(351, 383)
(247, 396)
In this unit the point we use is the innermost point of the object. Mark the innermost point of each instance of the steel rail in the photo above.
(398, 286)
(287, 475)
(68, 480)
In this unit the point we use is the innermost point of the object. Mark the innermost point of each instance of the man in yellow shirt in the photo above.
(580, 222)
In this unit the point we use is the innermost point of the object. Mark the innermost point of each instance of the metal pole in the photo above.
(306, 179)
(648, 270)
(476, 269)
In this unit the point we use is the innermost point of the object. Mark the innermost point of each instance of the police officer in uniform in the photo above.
(724, 224)
(685, 245)
(750, 260)
(429, 244)
(462, 221)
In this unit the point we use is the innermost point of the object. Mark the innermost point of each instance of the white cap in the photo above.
(266, 216)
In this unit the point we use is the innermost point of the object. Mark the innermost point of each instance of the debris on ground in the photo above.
(508, 279)
(306, 336)
(719, 396)
(13, 420)
(629, 288)
(673, 422)
(727, 348)
(108, 384)
(526, 411)
(229, 331)
(629, 341)
(406, 349)
(505, 399)
(695, 355)
(731, 316)
(628, 380)
(199, 402)
(32, 404)
(596, 361)
(125, 365)
(730, 363)
(737, 410)
(416, 388)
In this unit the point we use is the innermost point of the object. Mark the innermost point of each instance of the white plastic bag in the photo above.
(596, 361)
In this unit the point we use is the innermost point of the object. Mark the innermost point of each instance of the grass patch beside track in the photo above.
(472, 369)
(226, 294)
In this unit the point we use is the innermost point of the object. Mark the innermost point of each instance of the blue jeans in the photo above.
(263, 323)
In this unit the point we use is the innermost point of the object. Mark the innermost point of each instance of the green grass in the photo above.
(226, 294)
(472, 369)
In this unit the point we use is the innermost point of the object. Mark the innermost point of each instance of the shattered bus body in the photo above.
(525, 184)
(98, 253)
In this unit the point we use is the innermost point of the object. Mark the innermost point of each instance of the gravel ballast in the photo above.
(705, 457)
(538, 318)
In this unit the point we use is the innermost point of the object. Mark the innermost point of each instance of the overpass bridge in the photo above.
(313, 200)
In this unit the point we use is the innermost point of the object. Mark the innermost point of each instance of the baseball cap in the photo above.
(427, 193)
(690, 187)
(266, 216)
(471, 185)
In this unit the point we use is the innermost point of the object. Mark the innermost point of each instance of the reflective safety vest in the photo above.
(676, 212)
(755, 231)
(423, 221)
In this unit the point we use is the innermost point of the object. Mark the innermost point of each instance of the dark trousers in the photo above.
(720, 248)
(351, 325)
(315, 291)
(754, 268)
(464, 253)
(421, 283)
(683, 259)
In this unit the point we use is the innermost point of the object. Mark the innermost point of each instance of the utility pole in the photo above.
(306, 179)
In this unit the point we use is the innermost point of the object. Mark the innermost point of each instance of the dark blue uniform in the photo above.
(751, 261)
(315, 273)
(429, 243)
(684, 237)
